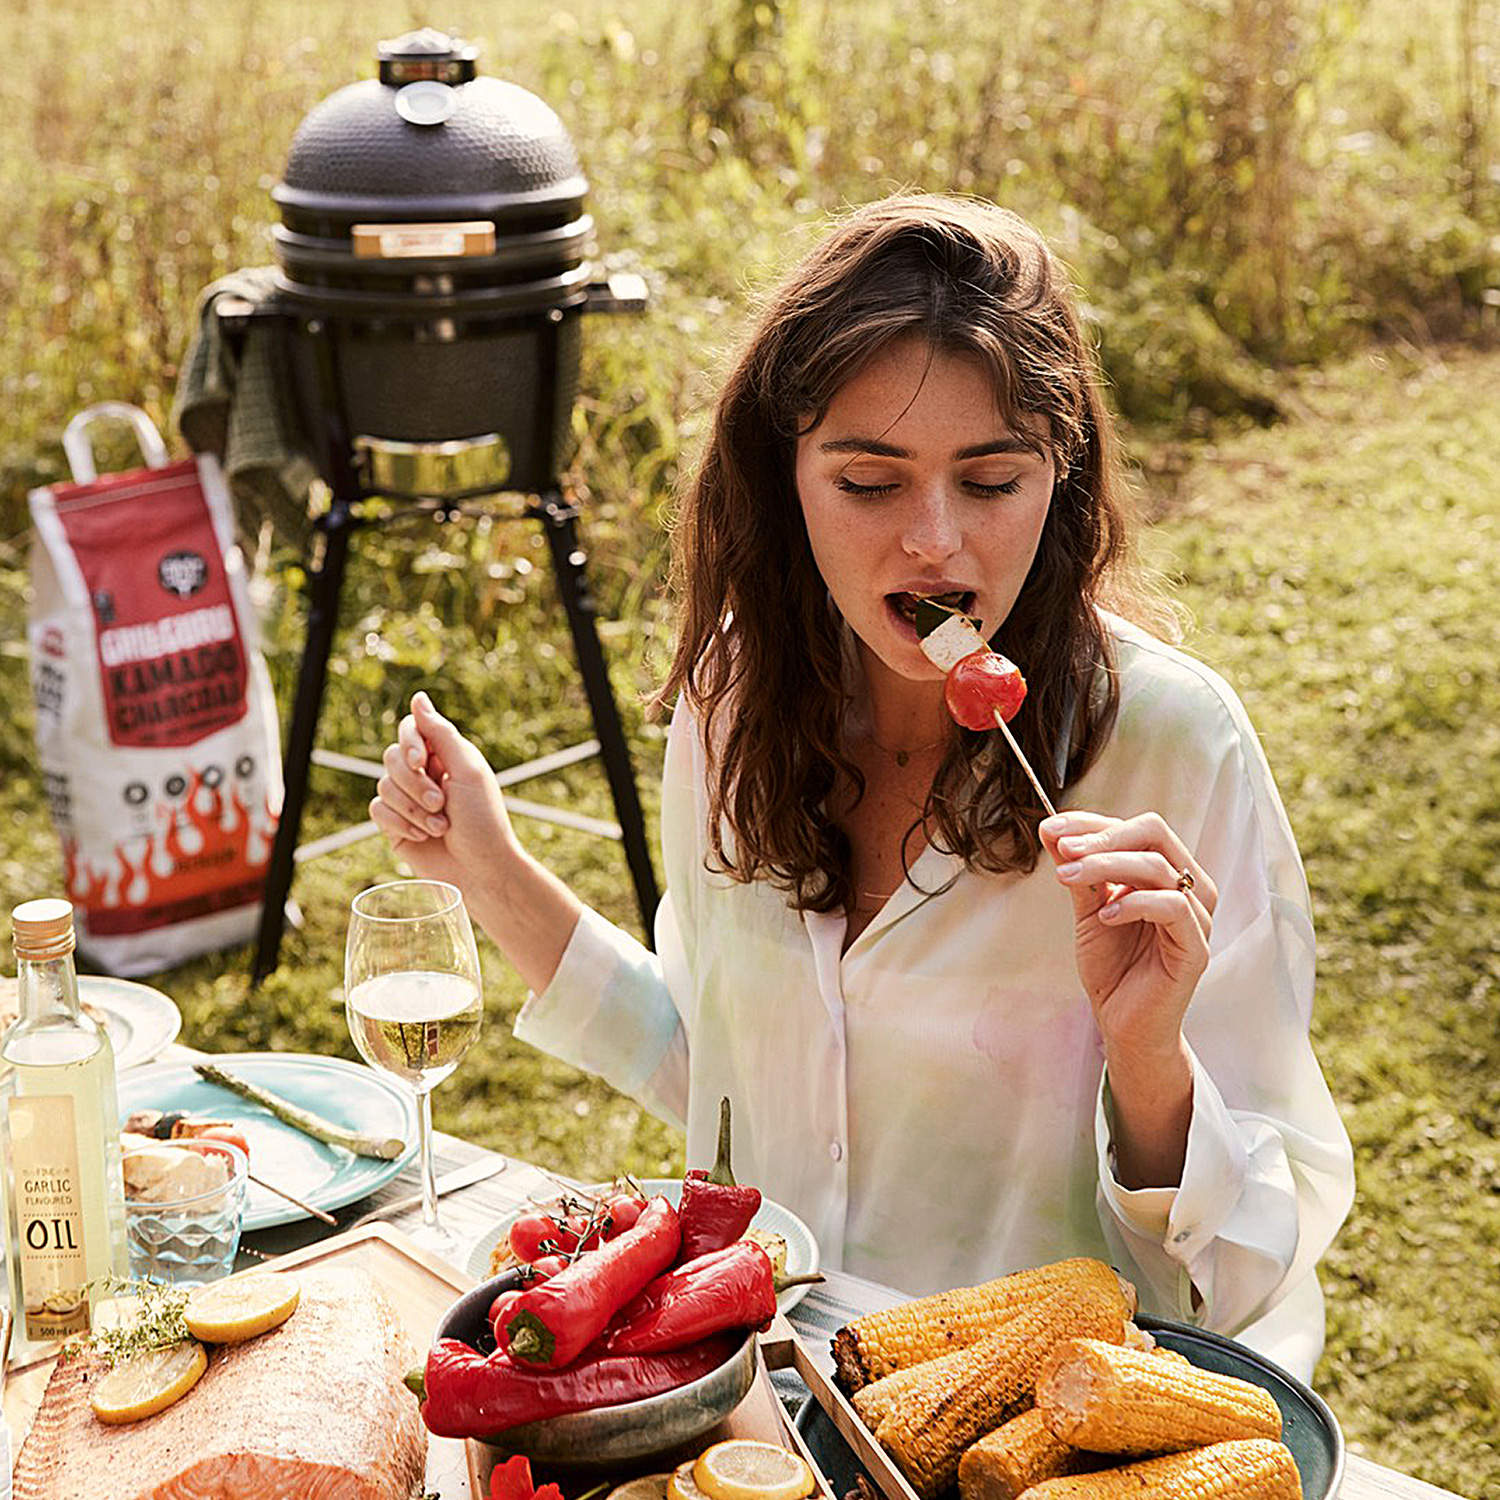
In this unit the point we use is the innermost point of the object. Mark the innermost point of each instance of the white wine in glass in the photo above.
(413, 997)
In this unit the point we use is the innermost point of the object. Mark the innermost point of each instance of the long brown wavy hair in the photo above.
(759, 646)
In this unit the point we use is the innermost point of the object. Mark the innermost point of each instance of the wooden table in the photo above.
(474, 1212)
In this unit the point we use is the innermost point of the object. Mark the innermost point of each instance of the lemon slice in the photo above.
(148, 1383)
(241, 1307)
(741, 1469)
(682, 1486)
(645, 1487)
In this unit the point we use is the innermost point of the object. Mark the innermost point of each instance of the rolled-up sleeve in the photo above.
(609, 1012)
(612, 1008)
(1268, 1175)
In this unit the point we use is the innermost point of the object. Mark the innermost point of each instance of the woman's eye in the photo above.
(854, 487)
(999, 487)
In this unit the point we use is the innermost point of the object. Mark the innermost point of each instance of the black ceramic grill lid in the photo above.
(432, 189)
(432, 259)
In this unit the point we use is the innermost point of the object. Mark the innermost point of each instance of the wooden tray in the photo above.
(782, 1350)
(420, 1286)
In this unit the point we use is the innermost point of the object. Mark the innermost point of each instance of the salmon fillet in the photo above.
(313, 1410)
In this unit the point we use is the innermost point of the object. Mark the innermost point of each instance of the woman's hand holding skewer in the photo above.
(1142, 914)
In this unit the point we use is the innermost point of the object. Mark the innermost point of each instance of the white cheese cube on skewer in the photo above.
(951, 641)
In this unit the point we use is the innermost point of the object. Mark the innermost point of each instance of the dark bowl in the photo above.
(607, 1434)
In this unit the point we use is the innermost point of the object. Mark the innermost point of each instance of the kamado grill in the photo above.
(428, 315)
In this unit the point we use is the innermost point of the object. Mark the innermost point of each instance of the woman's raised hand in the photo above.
(1142, 914)
(438, 803)
(439, 806)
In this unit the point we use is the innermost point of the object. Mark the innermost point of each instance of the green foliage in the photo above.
(1235, 182)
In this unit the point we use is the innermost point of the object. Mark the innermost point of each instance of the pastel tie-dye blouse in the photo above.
(932, 1102)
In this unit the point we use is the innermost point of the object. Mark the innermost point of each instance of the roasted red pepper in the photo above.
(553, 1323)
(715, 1210)
(729, 1288)
(468, 1394)
(512, 1481)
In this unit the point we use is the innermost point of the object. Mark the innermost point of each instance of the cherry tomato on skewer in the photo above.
(980, 685)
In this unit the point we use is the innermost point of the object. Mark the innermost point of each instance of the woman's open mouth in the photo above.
(905, 605)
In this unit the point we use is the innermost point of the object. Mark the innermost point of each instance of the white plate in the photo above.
(142, 1022)
(801, 1247)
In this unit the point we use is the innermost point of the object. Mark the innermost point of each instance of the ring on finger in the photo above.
(1185, 881)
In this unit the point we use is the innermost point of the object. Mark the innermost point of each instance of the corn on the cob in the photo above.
(1117, 1400)
(1172, 1355)
(914, 1332)
(932, 1423)
(1009, 1460)
(1247, 1469)
(874, 1402)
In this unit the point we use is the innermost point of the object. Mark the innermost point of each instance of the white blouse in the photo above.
(933, 1102)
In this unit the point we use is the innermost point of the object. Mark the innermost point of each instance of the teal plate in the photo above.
(1308, 1427)
(346, 1093)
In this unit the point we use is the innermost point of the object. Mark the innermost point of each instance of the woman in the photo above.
(960, 1037)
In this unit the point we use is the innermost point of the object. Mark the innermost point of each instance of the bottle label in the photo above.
(48, 1201)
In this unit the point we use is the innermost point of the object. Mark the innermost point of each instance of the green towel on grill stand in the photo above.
(234, 400)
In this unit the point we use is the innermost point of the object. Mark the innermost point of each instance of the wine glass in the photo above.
(412, 995)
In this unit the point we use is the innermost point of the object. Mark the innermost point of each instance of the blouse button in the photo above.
(836, 1150)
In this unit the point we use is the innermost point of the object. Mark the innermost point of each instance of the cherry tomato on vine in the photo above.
(500, 1307)
(624, 1210)
(529, 1232)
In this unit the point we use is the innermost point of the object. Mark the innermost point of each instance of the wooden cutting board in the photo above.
(420, 1286)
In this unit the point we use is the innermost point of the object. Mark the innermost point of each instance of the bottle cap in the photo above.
(43, 929)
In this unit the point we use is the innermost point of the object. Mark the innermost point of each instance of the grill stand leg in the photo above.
(322, 619)
(559, 522)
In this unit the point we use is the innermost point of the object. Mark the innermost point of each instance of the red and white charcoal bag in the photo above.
(155, 721)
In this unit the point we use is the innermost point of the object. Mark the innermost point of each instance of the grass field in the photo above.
(1338, 563)
(1339, 571)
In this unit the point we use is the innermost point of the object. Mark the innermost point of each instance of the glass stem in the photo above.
(429, 1180)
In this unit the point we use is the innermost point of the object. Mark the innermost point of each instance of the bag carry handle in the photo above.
(79, 448)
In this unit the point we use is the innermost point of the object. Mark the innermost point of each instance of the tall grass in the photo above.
(1239, 183)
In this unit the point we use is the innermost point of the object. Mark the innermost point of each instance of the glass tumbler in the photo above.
(185, 1240)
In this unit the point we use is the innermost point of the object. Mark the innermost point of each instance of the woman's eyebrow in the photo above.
(882, 449)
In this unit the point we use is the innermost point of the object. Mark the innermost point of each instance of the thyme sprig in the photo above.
(157, 1322)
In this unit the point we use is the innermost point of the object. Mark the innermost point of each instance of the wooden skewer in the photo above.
(1025, 764)
(306, 1208)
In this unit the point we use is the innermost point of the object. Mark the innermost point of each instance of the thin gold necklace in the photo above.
(903, 757)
